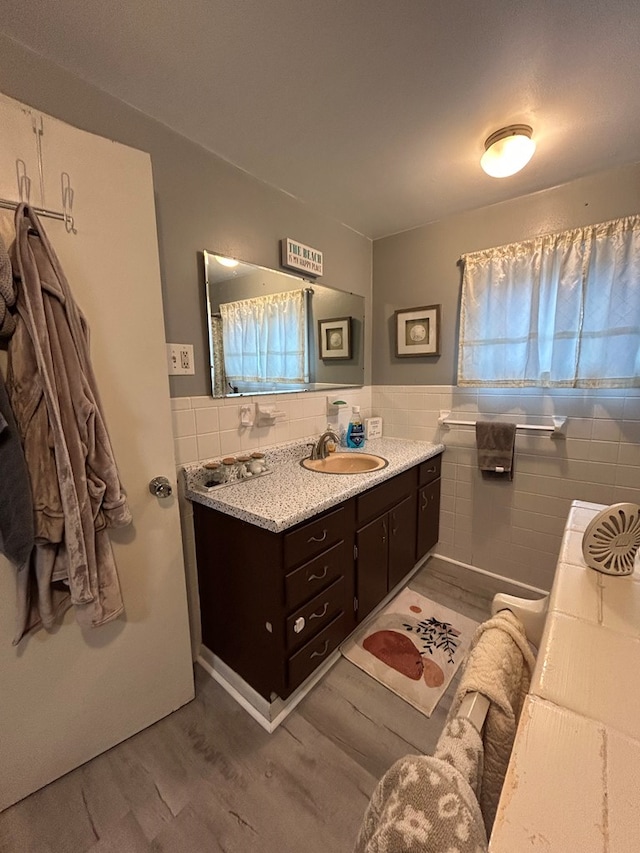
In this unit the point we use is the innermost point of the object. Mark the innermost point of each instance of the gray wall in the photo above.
(202, 202)
(420, 267)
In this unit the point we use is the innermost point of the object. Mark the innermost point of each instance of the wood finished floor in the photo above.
(208, 778)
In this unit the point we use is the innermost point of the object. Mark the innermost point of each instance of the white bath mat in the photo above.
(414, 647)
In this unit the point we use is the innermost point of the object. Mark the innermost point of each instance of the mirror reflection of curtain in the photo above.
(219, 375)
(264, 339)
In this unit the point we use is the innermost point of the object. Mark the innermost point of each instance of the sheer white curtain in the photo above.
(562, 310)
(264, 338)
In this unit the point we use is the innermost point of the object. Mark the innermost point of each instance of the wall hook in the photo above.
(24, 181)
(67, 203)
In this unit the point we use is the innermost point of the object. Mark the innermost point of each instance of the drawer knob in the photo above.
(320, 615)
(318, 538)
(319, 577)
(431, 470)
(323, 652)
(299, 624)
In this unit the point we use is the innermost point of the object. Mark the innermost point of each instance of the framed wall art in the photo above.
(418, 331)
(335, 337)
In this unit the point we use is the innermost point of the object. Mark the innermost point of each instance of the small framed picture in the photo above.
(418, 331)
(335, 338)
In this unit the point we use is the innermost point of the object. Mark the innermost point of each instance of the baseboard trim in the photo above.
(501, 578)
(211, 665)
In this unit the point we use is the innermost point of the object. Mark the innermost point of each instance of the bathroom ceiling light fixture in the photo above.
(508, 150)
(226, 262)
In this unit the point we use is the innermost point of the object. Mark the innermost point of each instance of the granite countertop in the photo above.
(291, 493)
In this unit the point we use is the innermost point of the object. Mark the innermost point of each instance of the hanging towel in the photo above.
(499, 666)
(16, 507)
(7, 293)
(423, 804)
(460, 745)
(495, 441)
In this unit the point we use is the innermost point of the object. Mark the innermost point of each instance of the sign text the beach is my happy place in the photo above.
(300, 257)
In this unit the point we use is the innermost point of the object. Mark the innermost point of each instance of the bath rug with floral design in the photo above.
(414, 647)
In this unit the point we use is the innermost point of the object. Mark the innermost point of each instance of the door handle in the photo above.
(160, 487)
(425, 501)
(394, 526)
(384, 531)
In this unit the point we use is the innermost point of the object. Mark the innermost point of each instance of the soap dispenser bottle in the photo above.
(355, 430)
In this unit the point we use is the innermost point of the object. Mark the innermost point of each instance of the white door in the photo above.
(18, 143)
(69, 695)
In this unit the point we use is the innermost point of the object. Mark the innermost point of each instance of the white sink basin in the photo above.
(346, 463)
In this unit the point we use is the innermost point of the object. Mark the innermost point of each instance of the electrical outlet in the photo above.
(180, 359)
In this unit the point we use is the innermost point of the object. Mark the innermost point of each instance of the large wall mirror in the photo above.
(271, 331)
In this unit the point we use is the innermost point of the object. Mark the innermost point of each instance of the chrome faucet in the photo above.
(319, 449)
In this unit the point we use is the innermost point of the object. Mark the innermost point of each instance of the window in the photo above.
(562, 310)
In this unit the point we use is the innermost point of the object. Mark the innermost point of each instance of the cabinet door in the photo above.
(372, 544)
(402, 539)
(428, 517)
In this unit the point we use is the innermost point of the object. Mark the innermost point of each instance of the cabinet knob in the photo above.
(299, 624)
(425, 501)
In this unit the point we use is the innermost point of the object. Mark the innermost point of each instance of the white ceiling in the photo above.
(373, 112)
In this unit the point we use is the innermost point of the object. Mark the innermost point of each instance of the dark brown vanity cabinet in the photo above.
(274, 606)
(385, 539)
(428, 505)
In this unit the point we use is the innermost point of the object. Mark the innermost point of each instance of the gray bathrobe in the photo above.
(75, 485)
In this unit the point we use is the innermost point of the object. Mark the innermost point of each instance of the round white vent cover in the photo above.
(612, 538)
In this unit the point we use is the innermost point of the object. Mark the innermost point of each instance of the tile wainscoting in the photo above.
(514, 528)
(510, 528)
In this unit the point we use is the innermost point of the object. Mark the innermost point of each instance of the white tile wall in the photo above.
(514, 528)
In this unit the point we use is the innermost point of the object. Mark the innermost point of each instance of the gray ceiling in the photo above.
(373, 112)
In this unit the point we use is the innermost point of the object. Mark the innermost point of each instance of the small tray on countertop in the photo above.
(201, 487)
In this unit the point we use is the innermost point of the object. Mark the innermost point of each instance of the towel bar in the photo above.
(557, 430)
(474, 708)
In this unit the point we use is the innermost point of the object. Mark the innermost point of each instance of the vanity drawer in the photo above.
(315, 614)
(316, 651)
(305, 582)
(318, 535)
(430, 470)
(383, 497)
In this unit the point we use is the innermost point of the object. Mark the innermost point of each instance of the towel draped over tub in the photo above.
(428, 804)
(499, 666)
(76, 489)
